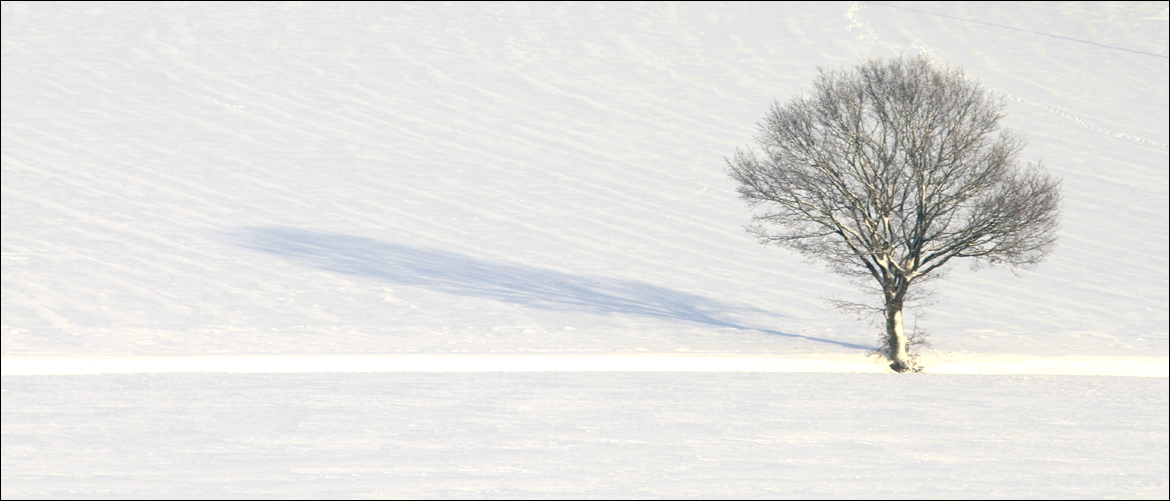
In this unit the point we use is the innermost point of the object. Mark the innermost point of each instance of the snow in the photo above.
(541, 186)
(965, 364)
(480, 179)
(585, 435)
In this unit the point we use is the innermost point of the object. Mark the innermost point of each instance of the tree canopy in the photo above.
(890, 170)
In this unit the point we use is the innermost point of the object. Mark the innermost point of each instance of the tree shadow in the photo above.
(468, 276)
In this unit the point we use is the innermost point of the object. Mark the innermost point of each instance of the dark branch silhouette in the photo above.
(890, 170)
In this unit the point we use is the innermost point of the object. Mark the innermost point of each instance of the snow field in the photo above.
(961, 364)
(595, 435)
(399, 188)
(328, 179)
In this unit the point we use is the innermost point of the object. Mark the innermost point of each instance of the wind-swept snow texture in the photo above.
(330, 178)
(186, 185)
(585, 436)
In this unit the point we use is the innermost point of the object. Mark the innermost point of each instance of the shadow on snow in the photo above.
(468, 276)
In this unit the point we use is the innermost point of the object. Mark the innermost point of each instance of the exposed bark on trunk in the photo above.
(896, 341)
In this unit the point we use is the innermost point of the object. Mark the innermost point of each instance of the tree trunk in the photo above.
(896, 337)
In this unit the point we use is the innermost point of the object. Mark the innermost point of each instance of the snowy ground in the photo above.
(961, 364)
(184, 179)
(585, 435)
(218, 181)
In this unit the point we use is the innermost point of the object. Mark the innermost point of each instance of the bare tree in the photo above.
(890, 170)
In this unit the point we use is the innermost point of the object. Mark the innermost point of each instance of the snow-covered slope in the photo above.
(321, 178)
(497, 188)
